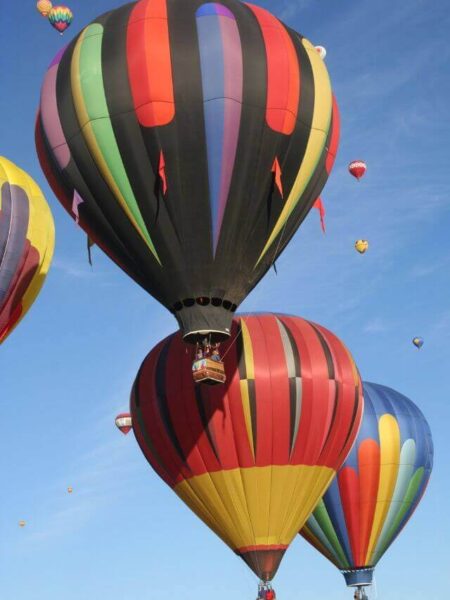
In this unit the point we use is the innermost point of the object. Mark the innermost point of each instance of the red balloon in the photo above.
(124, 423)
(357, 168)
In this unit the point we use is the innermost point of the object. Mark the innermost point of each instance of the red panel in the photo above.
(369, 477)
(272, 391)
(315, 385)
(283, 73)
(149, 63)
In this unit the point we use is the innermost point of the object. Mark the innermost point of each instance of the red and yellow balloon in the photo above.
(251, 458)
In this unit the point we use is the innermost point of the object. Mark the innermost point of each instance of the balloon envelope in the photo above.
(362, 246)
(44, 7)
(27, 239)
(193, 139)
(251, 458)
(124, 423)
(321, 51)
(418, 342)
(60, 18)
(378, 488)
(357, 168)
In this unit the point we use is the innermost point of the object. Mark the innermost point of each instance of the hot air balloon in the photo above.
(357, 168)
(60, 18)
(251, 458)
(22, 524)
(124, 423)
(27, 238)
(69, 490)
(418, 342)
(378, 488)
(178, 126)
(44, 7)
(361, 246)
(321, 51)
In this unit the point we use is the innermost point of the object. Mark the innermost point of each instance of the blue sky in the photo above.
(67, 370)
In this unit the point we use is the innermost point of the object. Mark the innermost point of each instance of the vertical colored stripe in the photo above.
(389, 463)
(247, 386)
(283, 73)
(50, 115)
(93, 115)
(316, 143)
(322, 526)
(13, 229)
(222, 85)
(405, 473)
(149, 63)
(411, 497)
(369, 476)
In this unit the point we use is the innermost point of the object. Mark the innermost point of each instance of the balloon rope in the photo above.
(232, 343)
(278, 246)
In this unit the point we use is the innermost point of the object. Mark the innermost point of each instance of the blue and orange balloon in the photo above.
(378, 488)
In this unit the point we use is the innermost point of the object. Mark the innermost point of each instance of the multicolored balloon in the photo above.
(418, 342)
(251, 458)
(198, 137)
(124, 423)
(60, 18)
(378, 488)
(361, 246)
(357, 168)
(27, 240)
(44, 7)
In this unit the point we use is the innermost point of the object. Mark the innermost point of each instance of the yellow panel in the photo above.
(248, 350)
(257, 506)
(389, 464)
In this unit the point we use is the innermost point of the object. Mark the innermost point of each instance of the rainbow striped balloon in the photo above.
(378, 488)
(60, 18)
(27, 239)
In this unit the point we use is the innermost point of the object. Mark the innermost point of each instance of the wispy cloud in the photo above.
(72, 269)
(376, 325)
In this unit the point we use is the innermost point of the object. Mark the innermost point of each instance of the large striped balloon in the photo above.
(251, 458)
(27, 238)
(193, 138)
(378, 488)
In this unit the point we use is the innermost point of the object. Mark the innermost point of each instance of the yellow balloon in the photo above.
(362, 246)
(22, 523)
(44, 7)
(27, 240)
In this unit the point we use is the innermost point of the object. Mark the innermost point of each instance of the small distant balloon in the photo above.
(22, 523)
(321, 51)
(44, 7)
(124, 423)
(418, 342)
(69, 490)
(60, 18)
(362, 246)
(357, 168)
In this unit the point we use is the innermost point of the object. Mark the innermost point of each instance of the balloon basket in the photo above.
(208, 371)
